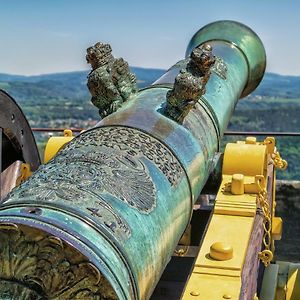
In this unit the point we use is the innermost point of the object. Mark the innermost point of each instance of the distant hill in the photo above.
(144, 74)
(62, 100)
(275, 85)
(70, 85)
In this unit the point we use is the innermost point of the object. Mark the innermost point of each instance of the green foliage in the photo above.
(4, 85)
(63, 100)
(257, 113)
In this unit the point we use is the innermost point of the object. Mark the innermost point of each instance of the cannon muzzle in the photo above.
(102, 218)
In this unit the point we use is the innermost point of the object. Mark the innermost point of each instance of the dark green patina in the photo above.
(120, 195)
(238, 36)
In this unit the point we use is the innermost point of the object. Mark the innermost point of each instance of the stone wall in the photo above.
(288, 208)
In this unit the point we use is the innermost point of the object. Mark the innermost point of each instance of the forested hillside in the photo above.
(62, 100)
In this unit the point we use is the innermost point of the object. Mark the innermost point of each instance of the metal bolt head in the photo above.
(227, 296)
(250, 140)
(237, 184)
(220, 251)
(194, 293)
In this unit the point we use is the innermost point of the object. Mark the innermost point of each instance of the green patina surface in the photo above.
(121, 194)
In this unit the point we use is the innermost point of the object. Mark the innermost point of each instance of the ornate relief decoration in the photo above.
(132, 144)
(190, 83)
(110, 82)
(220, 68)
(38, 266)
(100, 169)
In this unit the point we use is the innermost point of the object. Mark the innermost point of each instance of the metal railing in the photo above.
(242, 133)
(262, 133)
(47, 129)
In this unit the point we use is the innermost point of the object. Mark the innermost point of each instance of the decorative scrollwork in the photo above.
(34, 265)
(220, 68)
(97, 170)
(133, 145)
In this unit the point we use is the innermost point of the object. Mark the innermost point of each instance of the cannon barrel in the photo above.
(102, 218)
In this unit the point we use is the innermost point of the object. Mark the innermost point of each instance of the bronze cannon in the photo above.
(103, 217)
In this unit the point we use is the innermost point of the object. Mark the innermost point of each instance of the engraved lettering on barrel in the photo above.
(94, 211)
(110, 219)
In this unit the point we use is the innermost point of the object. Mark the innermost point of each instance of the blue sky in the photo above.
(39, 36)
